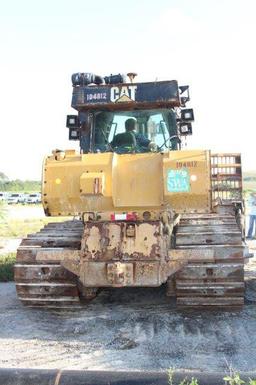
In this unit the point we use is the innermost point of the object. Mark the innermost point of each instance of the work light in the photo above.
(72, 121)
(187, 115)
(185, 129)
(74, 133)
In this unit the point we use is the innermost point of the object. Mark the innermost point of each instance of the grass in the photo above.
(232, 379)
(19, 228)
(249, 185)
(3, 211)
(6, 267)
(185, 381)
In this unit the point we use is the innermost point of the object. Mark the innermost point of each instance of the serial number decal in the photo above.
(178, 180)
(186, 164)
(97, 96)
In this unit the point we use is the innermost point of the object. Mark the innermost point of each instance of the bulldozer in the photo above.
(144, 210)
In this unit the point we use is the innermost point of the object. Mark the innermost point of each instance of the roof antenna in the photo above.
(131, 76)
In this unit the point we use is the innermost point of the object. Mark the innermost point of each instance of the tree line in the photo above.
(18, 185)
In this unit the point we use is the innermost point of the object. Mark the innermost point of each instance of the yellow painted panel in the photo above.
(66, 198)
(126, 182)
(137, 180)
(92, 183)
(194, 194)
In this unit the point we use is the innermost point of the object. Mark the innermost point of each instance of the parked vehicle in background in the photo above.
(33, 198)
(4, 196)
(15, 198)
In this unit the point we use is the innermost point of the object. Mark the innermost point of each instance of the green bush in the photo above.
(7, 267)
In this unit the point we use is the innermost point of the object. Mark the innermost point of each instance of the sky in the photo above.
(208, 44)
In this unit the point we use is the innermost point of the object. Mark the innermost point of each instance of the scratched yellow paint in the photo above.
(110, 182)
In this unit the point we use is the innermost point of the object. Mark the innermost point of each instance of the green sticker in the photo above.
(178, 180)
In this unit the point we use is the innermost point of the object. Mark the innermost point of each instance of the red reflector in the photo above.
(131, 217)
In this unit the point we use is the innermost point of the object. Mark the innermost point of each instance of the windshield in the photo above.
(126, 131)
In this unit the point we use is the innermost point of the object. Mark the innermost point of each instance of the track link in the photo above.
(216, 279)
(46, 283)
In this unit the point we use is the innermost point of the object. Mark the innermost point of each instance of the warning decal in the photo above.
(178, 180)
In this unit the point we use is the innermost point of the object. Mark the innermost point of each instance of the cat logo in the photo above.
(123, 94)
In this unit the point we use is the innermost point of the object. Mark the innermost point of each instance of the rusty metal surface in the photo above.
(41, 280)
(53, 269)
(209, 238)
(212, 289)
(208, 253)
(110, 241)
(215, 271)
(211, 302)
(214, 275)
(65, 263)
(124, 254)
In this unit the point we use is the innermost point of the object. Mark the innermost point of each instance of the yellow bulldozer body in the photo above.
(109, 188)
(107, 183)
(146, 211)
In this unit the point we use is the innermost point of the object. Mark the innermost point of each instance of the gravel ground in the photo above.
(128, 329)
